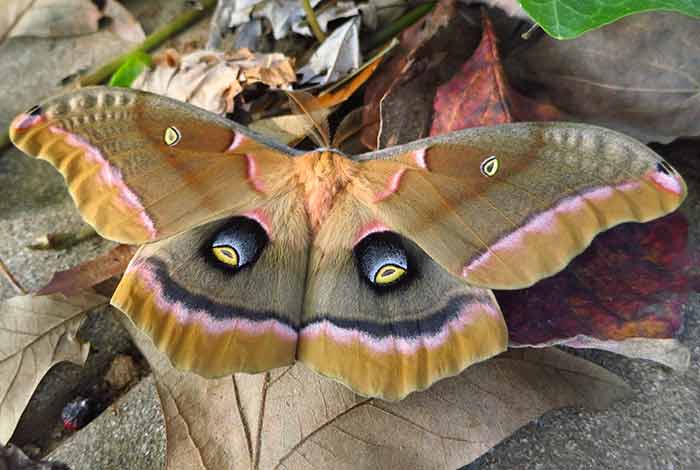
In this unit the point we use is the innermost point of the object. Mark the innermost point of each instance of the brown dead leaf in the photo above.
(90, 273)
(292, 418)
(427, 56)
(290, 128)
(37, 332)
(479, 93)
(639, 75)
(211, 80)
(59, 18)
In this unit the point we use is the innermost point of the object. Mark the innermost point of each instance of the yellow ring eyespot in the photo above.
(171, 136)
(388, 274)
(489, 167)
(226, 255)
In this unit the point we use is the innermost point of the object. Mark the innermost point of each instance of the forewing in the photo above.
(142, 167)
(555, 187)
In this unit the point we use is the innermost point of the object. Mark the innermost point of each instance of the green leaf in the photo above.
(132, 67)
(566, 19)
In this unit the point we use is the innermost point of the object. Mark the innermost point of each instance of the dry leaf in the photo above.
(58, 18)
(510, 7)
(37, 332)
(290, 128)
(479, 93)
(123, 23)
(332, 12)
(90, 273)
(428, 55)
(292, 418)
(338, 55)
(639, 75)
(211, 80)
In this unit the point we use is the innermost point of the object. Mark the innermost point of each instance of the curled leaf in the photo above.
(479, 93)
(37, 332)
(211, 80)
(337, 55)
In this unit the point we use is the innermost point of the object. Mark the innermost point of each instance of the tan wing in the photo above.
(388, 340)
(142, 167)
(211, 316)
(507, 224)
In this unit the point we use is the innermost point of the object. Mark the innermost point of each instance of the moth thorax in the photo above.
(323, 175)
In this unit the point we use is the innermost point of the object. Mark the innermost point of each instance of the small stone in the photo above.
(122, 372)
(77, 413)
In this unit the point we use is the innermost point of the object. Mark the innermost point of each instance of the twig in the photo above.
(313, 22)
(403, 22)
(8, 275)
(152, 41)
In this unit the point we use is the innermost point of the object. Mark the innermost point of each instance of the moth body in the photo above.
(322, 175)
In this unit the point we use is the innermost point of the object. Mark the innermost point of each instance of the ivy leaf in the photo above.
(133, 66)
(567, 19)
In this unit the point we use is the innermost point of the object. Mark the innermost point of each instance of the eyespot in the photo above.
(226, 254)
(382, 259)
(238, 244)
(489, 166)
(664, 167)
(388, 274)
(34, 110)
(171, 136)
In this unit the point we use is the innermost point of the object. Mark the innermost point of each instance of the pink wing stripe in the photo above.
(402, 345)
(111, 177)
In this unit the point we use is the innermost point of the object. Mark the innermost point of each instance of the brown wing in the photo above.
(142, 167)
(215, 316)
(388, 339)
(508, 205)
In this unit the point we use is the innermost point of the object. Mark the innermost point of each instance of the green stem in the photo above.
(383, 35)
(152, 41)
(313, 22)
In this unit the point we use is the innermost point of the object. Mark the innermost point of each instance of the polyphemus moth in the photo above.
(374, 270)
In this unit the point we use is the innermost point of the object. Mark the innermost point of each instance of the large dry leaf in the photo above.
(211, 80)
(292, 418)
(639, 75)
(58, 18)
(37, 332)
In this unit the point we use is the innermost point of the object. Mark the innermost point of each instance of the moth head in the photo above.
(382, 259)
(237, 244)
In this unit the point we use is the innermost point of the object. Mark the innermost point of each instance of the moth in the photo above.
(375, 270)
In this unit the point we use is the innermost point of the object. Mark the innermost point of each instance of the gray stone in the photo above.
(129, 435)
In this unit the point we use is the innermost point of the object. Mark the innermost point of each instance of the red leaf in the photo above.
(422, 49)
(479, 94)
(630, 283)
(90, 273)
